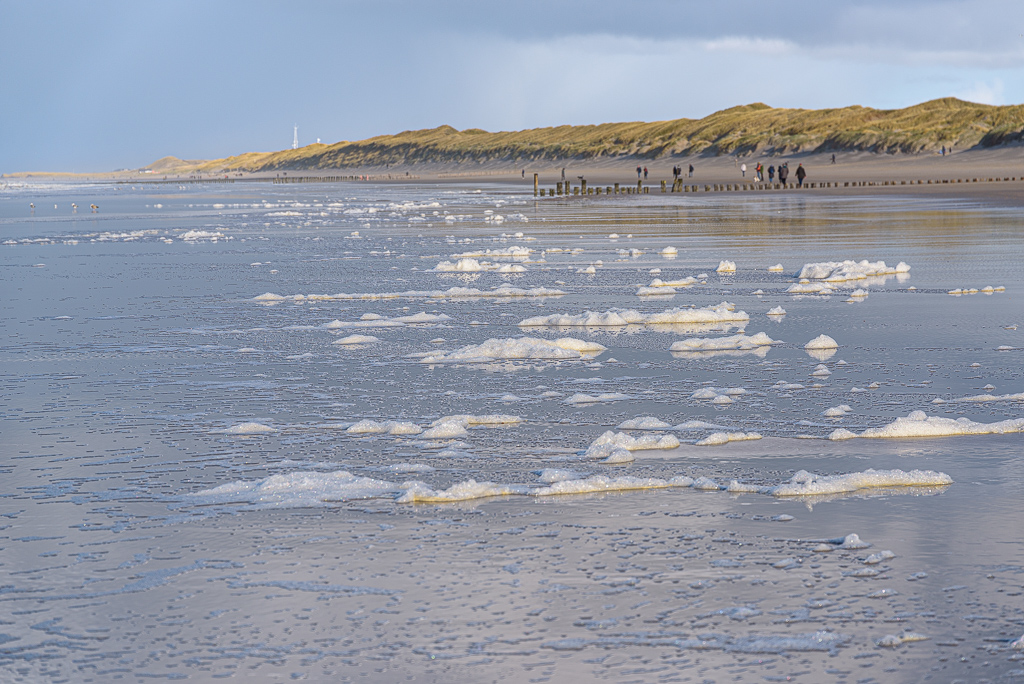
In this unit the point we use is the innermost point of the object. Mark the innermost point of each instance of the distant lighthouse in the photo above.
(295, 138)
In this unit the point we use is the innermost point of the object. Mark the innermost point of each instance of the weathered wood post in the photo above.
(663, 186)
(616, 188)
(583, 186)
(536, 183)
(639, 185)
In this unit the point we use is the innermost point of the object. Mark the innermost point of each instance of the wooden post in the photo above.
(536, 183)
(639, 184)
(583, 186)
(558, 185)
(616, 188)
(663, 186)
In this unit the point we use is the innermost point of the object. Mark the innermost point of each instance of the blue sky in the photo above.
(104, 85)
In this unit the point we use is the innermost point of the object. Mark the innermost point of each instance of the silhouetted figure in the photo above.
(833, 159)
(783, 173)
(800, 175)
(645, 172)
(771, 174)
(691, 170)
(638, 172)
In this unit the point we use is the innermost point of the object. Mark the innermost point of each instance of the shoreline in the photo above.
(990, 174)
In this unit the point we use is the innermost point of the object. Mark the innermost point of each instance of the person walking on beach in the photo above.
(800, 175)
(645, 173)
(758, 172)
(783, 173)
(563, 174)
(638, 172)
(771, 173)
(833, 159)
(743, 170)
(691, 170)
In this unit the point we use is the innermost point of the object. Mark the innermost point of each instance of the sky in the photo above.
(102, 85)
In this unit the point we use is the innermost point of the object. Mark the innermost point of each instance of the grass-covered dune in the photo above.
(750, 129)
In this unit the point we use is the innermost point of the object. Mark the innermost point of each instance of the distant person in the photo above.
(800, 175)
(563, 174)
(638, 172)
(771, 173)
(524, 173)
(783, 173)
(758, 171)
(645, 171)
(691, 170)
(743, 170)
(675, 173)
(833, 159)
(943, 150)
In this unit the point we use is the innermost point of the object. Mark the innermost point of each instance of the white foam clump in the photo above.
(357, 339)
(722, 313)
(445, 430)
(806, 287)
(606, 444)
(840, 271)
(681, 282)
(532, 348)
(726, 267)
(655, 291)
(552, 475)
(821, 371)
(470, 265)
(578, 399)
(297, 490)
(777, 268)
(717, 343)
(467, 265)
(513, 252)
(719, 438)
(371, 427)
(669, 251)
(822, 342)
(776, 311)
(876, 558)
(644, 423)
(471, 489)
(919, 424)
(804, 483)
(247, 429)
(377, 321)
(982, 398)
(836, 411)
(197, 235)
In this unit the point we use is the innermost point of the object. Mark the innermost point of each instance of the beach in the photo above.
(437, 429)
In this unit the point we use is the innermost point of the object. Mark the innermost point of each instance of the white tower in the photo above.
(295, 139)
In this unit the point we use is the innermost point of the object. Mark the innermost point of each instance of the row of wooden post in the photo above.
(567, 189)
(678, 186)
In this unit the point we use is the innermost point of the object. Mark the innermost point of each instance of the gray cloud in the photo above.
(110, 84)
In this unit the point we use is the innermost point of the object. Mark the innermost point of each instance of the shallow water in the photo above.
(130, 354)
